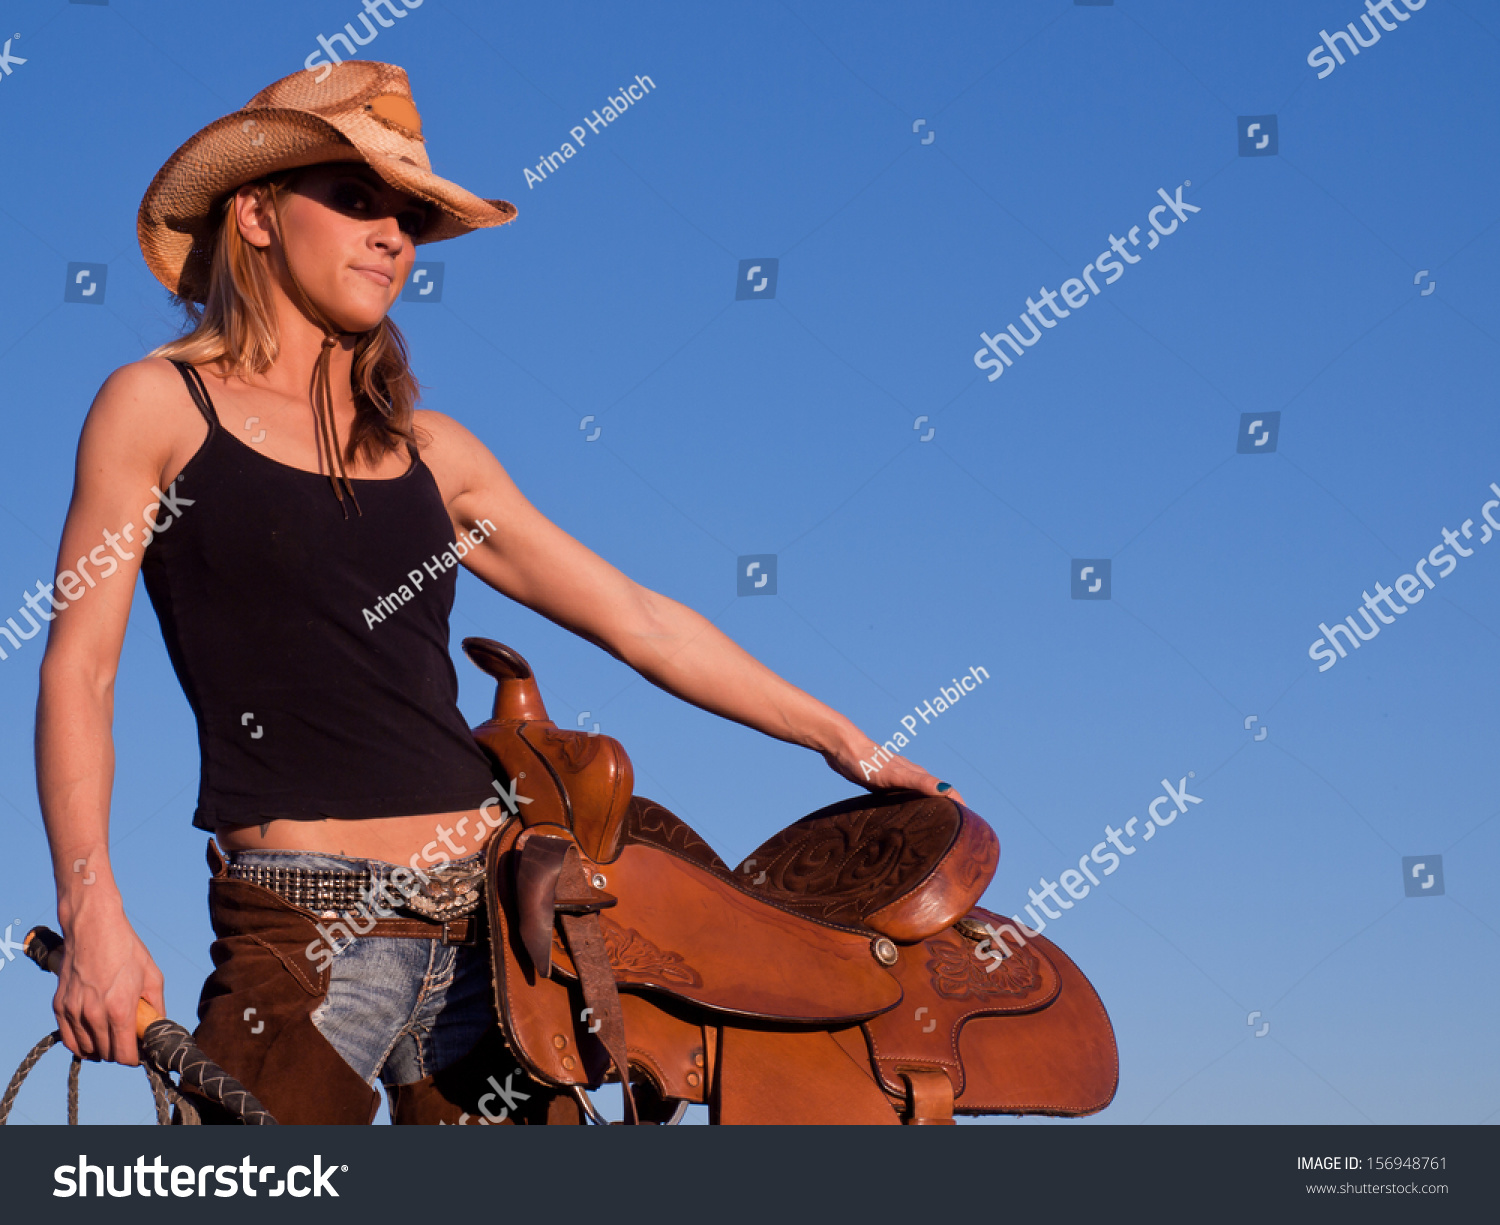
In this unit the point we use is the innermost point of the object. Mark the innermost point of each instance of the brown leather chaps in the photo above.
(260, 963)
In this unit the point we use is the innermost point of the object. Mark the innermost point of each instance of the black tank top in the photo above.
(313, 648)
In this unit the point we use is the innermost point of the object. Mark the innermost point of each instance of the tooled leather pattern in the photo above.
(957, 974)
(843, 865)
(566, 749)
(649, 822)
(636, 957)
(926, 1035)
(982, 864)
(633, 956)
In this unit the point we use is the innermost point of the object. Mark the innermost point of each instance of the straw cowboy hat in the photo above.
(360, 111)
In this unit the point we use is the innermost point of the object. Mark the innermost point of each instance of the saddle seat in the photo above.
(902, 864)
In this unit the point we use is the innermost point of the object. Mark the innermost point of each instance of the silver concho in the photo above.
(447, 894)
(971, 929)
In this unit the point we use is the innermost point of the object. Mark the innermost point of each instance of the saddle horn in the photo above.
(517, 698)
(580, 780)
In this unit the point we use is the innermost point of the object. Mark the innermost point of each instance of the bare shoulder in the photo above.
(443, 430)
(139, 386)
(450, 447)
(143, 410)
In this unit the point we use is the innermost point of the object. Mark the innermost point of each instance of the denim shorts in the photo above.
(397, 1009)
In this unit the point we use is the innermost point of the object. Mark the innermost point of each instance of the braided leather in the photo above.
(165, 1095)
(22, 1072)
(165, 1047)
(158, 1097)
(171, 1048)
(162, 1091)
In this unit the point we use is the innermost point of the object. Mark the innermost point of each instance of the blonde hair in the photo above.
(235, 330)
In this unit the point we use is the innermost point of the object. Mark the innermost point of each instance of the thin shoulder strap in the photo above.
(198, 390)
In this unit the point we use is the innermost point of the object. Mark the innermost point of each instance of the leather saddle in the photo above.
(840, 974)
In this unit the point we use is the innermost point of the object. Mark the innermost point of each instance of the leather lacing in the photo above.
(322, 381)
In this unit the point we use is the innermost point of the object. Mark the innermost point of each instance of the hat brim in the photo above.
(178, 218)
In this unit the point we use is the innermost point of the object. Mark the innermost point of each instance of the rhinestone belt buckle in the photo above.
(448, 894)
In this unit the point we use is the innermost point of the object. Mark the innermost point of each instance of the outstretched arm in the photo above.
(527, 557)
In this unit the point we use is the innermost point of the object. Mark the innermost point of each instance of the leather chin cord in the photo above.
(322, 381)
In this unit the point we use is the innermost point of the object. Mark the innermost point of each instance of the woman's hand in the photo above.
(885, 773)
(105, 970)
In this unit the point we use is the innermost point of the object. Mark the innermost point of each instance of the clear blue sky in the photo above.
(785, 131)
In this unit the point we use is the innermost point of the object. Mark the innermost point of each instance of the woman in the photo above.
(297, 490)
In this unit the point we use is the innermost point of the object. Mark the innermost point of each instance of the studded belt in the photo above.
(450, 891)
